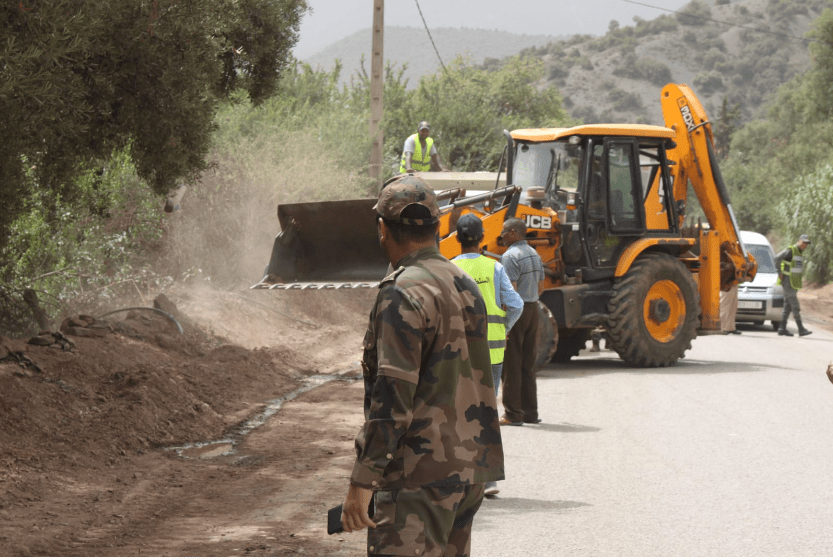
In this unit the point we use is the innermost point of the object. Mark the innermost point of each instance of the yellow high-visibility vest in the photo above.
(419, 161)
(482, 269)
(794, 269)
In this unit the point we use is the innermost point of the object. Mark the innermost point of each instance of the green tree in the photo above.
(810, 210)
(728, 119)
(469, 107)
(80, 79)
(768, 155)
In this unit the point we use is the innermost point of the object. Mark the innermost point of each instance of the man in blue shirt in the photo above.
(526, 272)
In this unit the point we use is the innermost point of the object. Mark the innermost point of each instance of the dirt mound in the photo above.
(75, 407)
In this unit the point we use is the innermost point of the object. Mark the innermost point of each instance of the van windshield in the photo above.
(764, 257)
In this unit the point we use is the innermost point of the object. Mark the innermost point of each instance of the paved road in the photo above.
(729, 453)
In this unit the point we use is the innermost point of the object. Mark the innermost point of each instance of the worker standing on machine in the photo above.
(419, 152)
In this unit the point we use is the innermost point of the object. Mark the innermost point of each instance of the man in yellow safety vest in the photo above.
(497, 291)
(419, 152)
(790, 266)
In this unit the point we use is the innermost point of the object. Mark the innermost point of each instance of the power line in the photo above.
(723, 22)
(431, 38)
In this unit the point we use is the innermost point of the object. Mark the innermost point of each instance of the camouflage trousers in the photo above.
(424, 521)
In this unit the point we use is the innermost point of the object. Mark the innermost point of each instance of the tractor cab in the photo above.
(610, 186)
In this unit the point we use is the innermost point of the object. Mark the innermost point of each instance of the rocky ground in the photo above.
(124, 437)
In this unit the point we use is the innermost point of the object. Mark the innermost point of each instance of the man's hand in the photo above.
(354, 516)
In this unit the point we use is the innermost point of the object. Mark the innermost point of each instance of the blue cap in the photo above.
(470, 227)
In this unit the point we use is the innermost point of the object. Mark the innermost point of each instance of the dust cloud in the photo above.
(219, 243)
(228, 221)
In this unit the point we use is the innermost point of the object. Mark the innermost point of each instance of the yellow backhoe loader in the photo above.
(604, 206)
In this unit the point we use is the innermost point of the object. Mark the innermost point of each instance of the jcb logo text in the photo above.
(538, 222)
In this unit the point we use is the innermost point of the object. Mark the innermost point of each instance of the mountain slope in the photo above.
(741, 51)
(411, 46)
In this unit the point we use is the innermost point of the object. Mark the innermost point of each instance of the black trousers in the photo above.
(520, 393)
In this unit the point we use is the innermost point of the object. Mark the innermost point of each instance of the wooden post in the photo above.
(376, 92)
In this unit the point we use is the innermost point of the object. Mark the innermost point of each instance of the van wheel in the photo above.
(654, 312)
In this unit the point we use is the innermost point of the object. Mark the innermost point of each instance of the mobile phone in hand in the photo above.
(334, 516)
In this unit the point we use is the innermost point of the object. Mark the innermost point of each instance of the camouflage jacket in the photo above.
(431, 417)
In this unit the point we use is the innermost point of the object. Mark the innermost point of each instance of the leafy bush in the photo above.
(558, 69)
(694, 14)
(95, 247)
(712, 58)
(708, 83)
(625, 101)
(83, 78)
(643, 69)
(809, 210)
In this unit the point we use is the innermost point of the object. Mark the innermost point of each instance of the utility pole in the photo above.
(376, 92)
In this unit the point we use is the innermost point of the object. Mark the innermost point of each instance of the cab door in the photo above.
(614, 212)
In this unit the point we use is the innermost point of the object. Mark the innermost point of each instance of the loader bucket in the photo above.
(327, 241)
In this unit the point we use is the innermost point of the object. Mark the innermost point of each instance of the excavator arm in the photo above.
(694, 160)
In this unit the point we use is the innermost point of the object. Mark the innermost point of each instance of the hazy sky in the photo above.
(332, 20)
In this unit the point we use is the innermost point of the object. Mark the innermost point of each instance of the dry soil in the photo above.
(230, 439)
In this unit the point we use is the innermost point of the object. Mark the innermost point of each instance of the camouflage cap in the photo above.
(401, 193)
(805, 239)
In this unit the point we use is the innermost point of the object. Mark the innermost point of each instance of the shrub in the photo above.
(694, 14)
(708, 83)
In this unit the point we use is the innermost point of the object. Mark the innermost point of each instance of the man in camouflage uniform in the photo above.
(431, 437)
(790, 266)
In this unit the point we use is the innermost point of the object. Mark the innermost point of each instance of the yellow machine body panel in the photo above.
(604, 206)
(550, 134)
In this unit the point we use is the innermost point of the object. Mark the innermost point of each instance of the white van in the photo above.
(760, 300)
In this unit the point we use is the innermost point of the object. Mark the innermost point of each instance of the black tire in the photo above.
(776, 325)
(547, 337)
(654, 312)
(757, 323)
(570, 343)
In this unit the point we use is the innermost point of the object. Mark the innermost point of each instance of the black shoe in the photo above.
(804, 332)
(536, 421)
(735, 332)
(784, 333)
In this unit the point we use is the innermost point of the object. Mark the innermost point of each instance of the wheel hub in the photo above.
(659, 310)
(664, 310)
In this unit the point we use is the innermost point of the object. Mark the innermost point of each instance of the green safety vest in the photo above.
(482, 269)
(420, 161)
(793, 268)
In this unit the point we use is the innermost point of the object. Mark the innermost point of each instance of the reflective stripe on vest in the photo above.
(482, 269)
(794, 269)
(419, 161)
